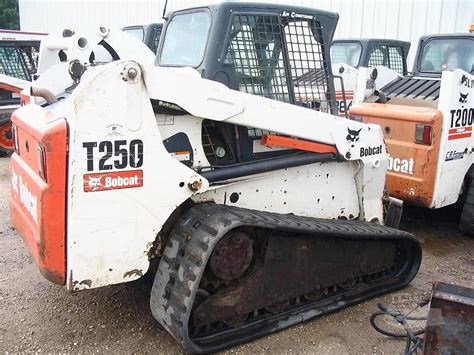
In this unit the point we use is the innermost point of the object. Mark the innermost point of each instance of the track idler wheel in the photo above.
(232, 256)
(315, 295)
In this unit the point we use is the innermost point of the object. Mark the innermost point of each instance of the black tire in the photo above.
(6, 138)
(466, 223)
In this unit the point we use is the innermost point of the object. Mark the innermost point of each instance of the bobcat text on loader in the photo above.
(427, 120)
(261, 211)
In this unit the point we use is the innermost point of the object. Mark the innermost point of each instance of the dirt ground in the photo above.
(38, 316)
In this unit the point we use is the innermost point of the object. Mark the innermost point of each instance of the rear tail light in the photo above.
(16, 146)
(423, 134)
(41, 161)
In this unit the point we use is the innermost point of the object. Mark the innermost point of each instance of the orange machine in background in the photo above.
(427, 121)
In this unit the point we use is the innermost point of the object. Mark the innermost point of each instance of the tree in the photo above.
(9, 15)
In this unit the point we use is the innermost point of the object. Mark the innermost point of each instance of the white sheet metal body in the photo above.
(456, 102)
(111, 231)
(355, 88)
(80, 46)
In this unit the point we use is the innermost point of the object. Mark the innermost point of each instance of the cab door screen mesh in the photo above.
(389, 56)
(256, 54)
(396, 56)
(19, 59)
(308, 64)
(281, 59)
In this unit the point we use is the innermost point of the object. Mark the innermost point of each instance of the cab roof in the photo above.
(365, 41)
(236, 5)
(448, 35)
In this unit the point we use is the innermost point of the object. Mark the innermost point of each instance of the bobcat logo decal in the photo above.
(94, 183)
(352, 136)
(463, 97)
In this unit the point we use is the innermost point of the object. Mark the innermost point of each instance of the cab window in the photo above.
(346, 53)
(185, 39)
(454, 53)
(136, 32)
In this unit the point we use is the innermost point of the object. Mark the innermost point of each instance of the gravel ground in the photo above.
(38, 316)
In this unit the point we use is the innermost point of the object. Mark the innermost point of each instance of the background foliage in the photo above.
(9, 18)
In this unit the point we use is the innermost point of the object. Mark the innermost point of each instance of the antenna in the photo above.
(164, 10)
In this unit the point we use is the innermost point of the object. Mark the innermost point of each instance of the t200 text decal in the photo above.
(461, 123)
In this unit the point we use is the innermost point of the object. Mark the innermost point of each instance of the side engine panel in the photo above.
(122, 183)
(324, 190)
(456, 102)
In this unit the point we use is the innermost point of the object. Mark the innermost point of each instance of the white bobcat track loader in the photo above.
(262, 212)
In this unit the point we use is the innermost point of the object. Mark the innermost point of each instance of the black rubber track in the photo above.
(197, 232)
(466, 223)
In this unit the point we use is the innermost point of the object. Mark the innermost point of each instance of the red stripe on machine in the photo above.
(460, 130)
(349, 95)
(113, 181)
(459, 136)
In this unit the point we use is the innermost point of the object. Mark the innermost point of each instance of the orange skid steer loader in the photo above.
(427, 120)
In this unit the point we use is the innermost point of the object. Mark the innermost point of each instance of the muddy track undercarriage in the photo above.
(229, 275)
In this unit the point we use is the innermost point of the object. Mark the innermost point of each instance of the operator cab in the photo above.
(371, 52)
(445, 51)
(149, 34)
(276, 51)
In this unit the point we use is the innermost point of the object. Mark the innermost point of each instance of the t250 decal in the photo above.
(117, 154)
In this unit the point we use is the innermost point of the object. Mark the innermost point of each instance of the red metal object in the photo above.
(38, 207)
(427, 135)
(112, 181)
(450, 325)
(459, 133)
(6, 141)
(11, 88)
(270, 140)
